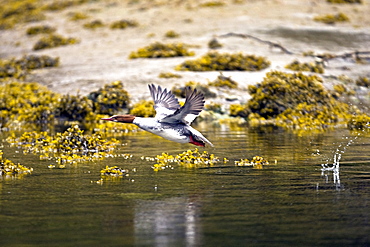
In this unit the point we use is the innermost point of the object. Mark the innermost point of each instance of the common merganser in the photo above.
(171, 121)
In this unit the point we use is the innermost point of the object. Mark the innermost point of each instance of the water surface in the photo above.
(288, 203)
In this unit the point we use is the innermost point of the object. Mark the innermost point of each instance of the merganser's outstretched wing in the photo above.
(165, 103)
(194, 104)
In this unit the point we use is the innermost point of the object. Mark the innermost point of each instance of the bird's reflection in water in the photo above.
(169, 222)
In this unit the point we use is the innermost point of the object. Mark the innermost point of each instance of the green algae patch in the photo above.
(144, 108)
(69, 147)
(123, 24)
(310, 67)
(160, 50)
(54, 40)
(18, 68)
(332, 19)
(214, 61)
(9, 169)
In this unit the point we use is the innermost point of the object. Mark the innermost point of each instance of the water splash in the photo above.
(337, 156)
(334, 168)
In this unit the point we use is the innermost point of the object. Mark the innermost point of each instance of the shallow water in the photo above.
(288, 203)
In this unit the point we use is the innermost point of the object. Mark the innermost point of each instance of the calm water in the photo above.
(289, 203)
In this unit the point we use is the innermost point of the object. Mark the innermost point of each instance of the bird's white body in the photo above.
(171, 122)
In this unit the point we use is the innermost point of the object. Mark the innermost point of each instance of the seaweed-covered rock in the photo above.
(75, 16)
(143, 108)
(295, 101)
(122, 24)
(238, 110)
(363, 82)
(332, 19)
(212, 4)
(311, 67)
(40, 29)
(69, 147)
(224, 82)
(94, 24)
(214, 107)
(158, 50)
(171, 34)
(359, 122)
(204, 89)
(9, 68)
(31, 62)
(26, 103)
(214, 44)
(314, 116)
(14, 12)
(189, 159)
(113, 171)
(214, 61)
(18, 68)
(169, 75)
(110, 99)
(9, 168)
(54, 40)
(60, 5)
(74, 107)
(280, 91)
(256, 161)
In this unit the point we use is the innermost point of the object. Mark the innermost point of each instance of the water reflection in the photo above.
(292, 202)
(169, 222)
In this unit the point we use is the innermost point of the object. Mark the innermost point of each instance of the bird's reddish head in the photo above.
(120, 118)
